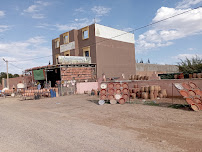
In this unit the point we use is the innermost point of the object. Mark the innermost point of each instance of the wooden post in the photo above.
(7, 72)
(7, 75)
(46, 77)
(60, 82)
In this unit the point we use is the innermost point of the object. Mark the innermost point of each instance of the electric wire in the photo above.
(16, 66)
(120, 34)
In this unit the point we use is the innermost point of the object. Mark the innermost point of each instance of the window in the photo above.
(67, 53)
(57, 43)
(85, 33)
(66, 38)
(86, 51)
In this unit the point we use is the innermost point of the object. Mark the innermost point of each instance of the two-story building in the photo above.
(112, 50)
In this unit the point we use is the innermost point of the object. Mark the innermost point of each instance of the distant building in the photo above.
(145, 69)
(112, 50)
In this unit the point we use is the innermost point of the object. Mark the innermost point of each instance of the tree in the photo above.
(16, 75)
(141, 61)
(4, 75)
(148, 61)
(193, 65)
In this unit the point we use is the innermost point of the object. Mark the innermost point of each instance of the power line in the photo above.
(121, 34)
(167, 18)
(31, 59)
(16, 66)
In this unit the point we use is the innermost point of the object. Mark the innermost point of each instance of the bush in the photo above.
(189, 66)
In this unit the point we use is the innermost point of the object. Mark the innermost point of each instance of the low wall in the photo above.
(15, 81)
(86, 86)
(166, 84)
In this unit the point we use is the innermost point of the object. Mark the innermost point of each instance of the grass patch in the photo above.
(179, 106)
(151, 103)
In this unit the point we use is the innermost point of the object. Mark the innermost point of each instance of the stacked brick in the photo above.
(191, 93)
(78, 73)
(116, 91)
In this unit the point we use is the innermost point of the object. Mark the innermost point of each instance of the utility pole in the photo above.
(7, 73)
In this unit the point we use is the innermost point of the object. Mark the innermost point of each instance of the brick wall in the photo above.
(166, 84)
(78, 73)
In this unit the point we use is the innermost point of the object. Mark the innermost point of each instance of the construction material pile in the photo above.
(114, 92)
(191, 93)
(147, 92)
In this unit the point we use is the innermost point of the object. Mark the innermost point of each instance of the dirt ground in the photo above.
(78, 124)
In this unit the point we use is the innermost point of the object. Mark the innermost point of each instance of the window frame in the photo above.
(86, 49)
(83, 30)
(67, 52)
(57, 41)
(56, 58)
(64, 36)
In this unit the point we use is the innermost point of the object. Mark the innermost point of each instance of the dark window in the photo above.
(87, 53)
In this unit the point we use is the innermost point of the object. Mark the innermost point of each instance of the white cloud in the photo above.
(101, 10)
(76, 24)
(191, 49)
(97, 10)
(42, 3)
(2, 14)
(163, 33)
(4, 28)
(79, 10)
(184, 56)
(32, 9)
(22, 50)
(38, 16)
(128, 29)
(187, 3)
(35, 9)
(46, 26)
(79, 23)
(36, 40)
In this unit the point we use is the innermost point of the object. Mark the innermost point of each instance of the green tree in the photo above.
(16, 75)
(193, 65)
(141, 61)
(4, 75)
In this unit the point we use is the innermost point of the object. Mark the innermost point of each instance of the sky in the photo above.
(27, 28)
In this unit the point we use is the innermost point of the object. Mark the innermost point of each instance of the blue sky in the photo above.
(28, 26)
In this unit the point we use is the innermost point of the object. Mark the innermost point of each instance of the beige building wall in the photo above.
(144, 69)
(115, 58)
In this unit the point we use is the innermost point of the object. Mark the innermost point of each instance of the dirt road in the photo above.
(76, 124)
